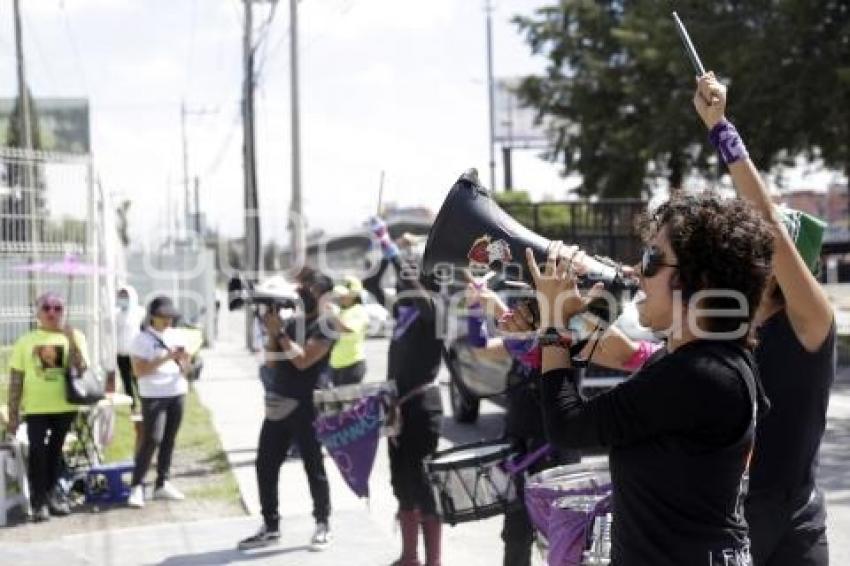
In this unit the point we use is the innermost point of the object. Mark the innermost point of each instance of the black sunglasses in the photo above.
(54, 308)
(652, 260)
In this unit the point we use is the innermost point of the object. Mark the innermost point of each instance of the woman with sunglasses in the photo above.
(40, 358)
(796, 360)
(681, 429)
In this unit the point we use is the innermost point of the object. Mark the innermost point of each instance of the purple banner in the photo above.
(351, 437)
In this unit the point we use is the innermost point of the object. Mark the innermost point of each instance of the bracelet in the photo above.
(728, 143)
(552, 337)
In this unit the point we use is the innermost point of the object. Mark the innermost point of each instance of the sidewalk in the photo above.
(364, 531)
(232, 392)
(205, 543)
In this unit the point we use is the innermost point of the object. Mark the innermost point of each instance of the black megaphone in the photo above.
(473, 231)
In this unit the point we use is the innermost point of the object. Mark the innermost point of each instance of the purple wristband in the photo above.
(726, 140)
(518, 347)
(476, 335)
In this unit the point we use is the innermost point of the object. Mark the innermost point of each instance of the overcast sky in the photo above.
(392, 85)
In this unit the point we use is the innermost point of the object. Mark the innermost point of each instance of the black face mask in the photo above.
(308, 301)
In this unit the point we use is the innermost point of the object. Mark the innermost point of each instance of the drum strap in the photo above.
(394, 423)
(526, 461)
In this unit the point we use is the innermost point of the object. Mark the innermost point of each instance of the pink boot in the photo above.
(409, 523)
(432, 528)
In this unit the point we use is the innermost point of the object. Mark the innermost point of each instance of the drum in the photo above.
(570, 506)
(469, 482)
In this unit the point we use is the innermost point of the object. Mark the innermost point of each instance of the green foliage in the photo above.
(14, 133)
(618, 85)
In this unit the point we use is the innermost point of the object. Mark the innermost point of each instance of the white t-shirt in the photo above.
(166, 381)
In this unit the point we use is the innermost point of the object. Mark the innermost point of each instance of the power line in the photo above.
(191, 47)
(43, 61)
(78, 60)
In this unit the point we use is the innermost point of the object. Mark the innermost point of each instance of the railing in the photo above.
(605, 228)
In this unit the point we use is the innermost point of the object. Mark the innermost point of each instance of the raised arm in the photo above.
(807, 305)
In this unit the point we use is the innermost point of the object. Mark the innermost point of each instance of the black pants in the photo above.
(125, 368)
(420, 431)
(349, 374)
(161, 417)
(275, 440)
(46, 434)
(788, 531)
(517, 530)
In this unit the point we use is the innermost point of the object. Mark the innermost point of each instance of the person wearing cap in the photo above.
(160, 364)
(796, 361)
(348, 356)
(40, 358)
(296, 354)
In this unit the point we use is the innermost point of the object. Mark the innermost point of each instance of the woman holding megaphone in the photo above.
(523, 420)
(680, 430)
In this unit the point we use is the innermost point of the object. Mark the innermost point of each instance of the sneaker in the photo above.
(264, 537)
(321, 537)
(58, 506)
(169, 492)
(41, 514)
(137, 497)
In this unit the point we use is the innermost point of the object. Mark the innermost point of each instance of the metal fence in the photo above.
(47, 204)
(605, 228)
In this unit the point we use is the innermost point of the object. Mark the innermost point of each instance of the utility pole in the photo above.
(252, 220)
(29, 189)
(198, 207)
(297, 242)
(381, 195)
(490, 93)
(185, 164)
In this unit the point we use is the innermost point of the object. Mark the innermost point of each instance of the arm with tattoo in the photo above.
(16, 391)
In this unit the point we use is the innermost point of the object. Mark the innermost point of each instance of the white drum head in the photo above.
(472, 453)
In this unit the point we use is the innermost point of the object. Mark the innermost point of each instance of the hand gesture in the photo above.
(558, 296)
(272, 322)
(518, 323)
(180, 355)
(710, 99)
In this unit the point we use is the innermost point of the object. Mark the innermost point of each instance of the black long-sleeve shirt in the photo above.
(680, 432)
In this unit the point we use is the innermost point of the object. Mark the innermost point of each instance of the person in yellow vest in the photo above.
(40, 358)
(348, 356)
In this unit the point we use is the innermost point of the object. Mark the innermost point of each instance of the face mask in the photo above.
(123, 304)
(308, 301)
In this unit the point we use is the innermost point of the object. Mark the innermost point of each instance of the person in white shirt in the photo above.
(129, 316)
(160, 365)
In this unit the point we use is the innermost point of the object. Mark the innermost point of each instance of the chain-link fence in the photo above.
(48, 241)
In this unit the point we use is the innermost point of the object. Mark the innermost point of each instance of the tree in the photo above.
(26, 202)
(618, 87)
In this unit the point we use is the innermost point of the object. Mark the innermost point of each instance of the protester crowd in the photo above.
(712, 440)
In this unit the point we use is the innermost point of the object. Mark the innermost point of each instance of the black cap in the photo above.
(163, 306)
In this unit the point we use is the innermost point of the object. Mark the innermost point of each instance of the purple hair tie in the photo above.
(726, 140)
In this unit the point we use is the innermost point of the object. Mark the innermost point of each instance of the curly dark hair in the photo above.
(721, 244)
